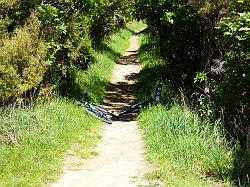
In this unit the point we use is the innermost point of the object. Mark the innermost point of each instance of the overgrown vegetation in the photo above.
(205, 48)
(200, 51)
(58, 36)
(22, 59)
(34, 139)
(187, 149)
(204, 52)
(91, 84)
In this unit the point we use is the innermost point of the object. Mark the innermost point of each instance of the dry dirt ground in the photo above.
(121, 161)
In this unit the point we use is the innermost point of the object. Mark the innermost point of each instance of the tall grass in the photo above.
(187, 150)
(34, 140)
(93, 82)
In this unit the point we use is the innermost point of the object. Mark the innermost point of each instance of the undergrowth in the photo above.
(34, 139)
(138, 27)
(187, 150)
(90, 85)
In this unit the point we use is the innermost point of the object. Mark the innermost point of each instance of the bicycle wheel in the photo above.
(97, 114)
(103, 110)
(133, 109)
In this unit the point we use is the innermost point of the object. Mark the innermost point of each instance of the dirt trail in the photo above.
(121, 160)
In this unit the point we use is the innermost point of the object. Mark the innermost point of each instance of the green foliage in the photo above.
(72, 29)
(169, 131)
(185, 148)
(3, 26)
(234, 89)
(22, 60)
(91, 84)
(34, 140)
(153, 69)
(69, 29)
(179, 29)
(210, 37)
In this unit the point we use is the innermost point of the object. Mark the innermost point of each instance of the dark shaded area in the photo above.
(154, 72)
(121, 95)
(148, 78)
(241, 170)
(105, 48)
(127, 59)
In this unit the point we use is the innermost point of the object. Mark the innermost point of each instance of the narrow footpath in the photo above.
(121, 161)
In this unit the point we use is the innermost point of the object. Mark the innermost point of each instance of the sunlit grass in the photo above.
(34, 140)
(94, 81)
(137, 26)
(187, 150)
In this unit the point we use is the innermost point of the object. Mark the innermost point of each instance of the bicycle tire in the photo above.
(101, 109)
(98, 115)
(133, 109)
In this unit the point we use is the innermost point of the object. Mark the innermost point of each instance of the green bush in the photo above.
(22, 60)
(233, 92)
(205, 45)
(179, 29)
(70, 31)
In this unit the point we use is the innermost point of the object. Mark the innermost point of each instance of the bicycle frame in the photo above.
(105, 115)
(135, 108)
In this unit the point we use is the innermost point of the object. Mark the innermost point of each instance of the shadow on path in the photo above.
(121, 92)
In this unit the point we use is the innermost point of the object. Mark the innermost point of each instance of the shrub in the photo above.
(69, 30)
(233, 92)
(22, 60)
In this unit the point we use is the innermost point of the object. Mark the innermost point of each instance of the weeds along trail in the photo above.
(121, 153)
(36, 139)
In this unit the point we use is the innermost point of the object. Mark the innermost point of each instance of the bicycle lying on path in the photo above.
(107, 116)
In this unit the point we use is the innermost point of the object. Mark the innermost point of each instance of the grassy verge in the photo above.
(153, 69)
(136, 26)
(187, 150)
(33, 140)
(91, 84)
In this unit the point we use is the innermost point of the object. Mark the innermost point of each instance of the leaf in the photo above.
(227, 33)
(245, 29)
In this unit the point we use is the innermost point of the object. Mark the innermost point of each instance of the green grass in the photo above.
(94, 81)
(153, 69)
(187, 150)
(34, 140)
(136, 26)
